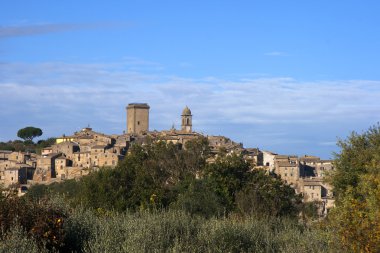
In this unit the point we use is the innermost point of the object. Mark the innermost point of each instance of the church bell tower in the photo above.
(186, 120)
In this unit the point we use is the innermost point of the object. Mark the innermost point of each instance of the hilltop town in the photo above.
(77, 155)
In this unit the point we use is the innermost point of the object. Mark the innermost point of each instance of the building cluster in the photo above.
(306, 174)
(74, 156)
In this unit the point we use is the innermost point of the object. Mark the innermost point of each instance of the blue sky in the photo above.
(286, 76)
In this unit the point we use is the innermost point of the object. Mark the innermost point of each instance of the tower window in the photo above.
(138, 122)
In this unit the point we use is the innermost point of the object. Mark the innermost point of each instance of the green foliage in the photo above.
(197, 197)
(356, 182)
(99, 230)
(266, 195)
(228, 175)
(16, 240)
(310, 210)
(146, 178)
(160, 175)
(18, 145)
(70, 189)
(174, 231)
(29, 133)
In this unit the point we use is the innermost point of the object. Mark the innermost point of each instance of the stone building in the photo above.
(67, 147)
(61, 163)
(18, 173)
(268, 159)
(137, 118)
(4, 155)
(254, 156)
(82, 159)
(19, 156)
(45, 170)
(288, 168)
(222, 144)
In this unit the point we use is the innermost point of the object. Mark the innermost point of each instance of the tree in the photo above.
(356, 182)
(228, 175)
(266, 195)
(28, 133)
(146, 178)
(196, 196)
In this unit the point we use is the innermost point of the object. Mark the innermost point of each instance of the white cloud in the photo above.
(268, 100)
(71, 95)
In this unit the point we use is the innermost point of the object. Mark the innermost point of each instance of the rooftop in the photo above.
(138, 105)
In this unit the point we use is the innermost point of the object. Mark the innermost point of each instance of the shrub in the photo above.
(41, 221)
(16, 240)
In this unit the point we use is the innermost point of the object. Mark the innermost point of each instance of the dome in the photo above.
(186, 111)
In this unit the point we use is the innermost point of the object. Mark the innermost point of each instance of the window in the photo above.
(138, 122)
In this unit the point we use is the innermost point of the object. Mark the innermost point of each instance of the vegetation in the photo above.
(357, 187)
(24, 146)
(160, 175)
(29, 133)
(99, 230)
(163, 198)
(39, 220)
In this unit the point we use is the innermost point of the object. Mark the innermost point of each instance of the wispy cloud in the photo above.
(262, 100)
(39, 29)
(327, 143)
(28, 30)
(65, 96)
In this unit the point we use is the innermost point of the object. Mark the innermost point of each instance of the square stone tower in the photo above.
(137, 118)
